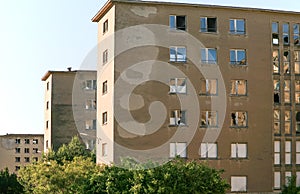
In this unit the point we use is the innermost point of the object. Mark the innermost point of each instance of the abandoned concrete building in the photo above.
(17, 150)
(215, 83)
(70, 107)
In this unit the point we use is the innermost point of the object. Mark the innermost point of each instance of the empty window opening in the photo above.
(285, 33)
(209, 87)
(208, 24)
(209, 119)
(178, 117)
(286, 62)
(239, 119)
(18, 150)
(178, 149)
(177, 22)
(177, 54)
(209, 150)
(296, 34)
(275, 33)
(209, 56)
(18, 141)
(276, 152)
(287, 91)
(178, 85)
(104, 118)
(297, 123)
(238, 57)
(237, 26)
(238, 88)
(105, 26)
(276, 91)
(104, 87)
(276, 64)
(26, 150)
(287, 122)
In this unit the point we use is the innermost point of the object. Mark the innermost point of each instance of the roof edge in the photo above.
(48, 73)
(102, 11)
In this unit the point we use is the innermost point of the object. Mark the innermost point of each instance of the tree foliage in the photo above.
(291, 187)
(9, 183)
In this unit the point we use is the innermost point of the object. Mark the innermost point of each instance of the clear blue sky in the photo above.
(41, 35)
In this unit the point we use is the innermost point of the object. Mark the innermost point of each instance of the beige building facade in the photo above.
(213, 83)
(17, 150)
(70, 107)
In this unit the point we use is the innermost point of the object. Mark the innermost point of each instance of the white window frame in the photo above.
(207, 122)
(236, 61)
(209, 85)
(277, 180)
(176, 88)
(286, 33)
(203, 22)
(239, 150)
(105, 26)
(179, 57)
(90, 84)
(205, 57)
(277, 153)
(174, 26)
(236, 83)
(275, 34)
(298, 152)
(178, 149)
(238, 116)
(238, 183)
(178, 118)
(209, 150)
(288, 152)
(235, 29)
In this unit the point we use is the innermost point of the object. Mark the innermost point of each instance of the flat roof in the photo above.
(110, 3)
(48, 73)
(21, 135)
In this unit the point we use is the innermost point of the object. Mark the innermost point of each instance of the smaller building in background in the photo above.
(18, 150)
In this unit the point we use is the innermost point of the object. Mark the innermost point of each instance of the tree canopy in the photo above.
(9, 183)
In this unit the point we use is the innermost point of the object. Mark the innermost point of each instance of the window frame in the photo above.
(236, 83)
(104, 118)
(210, 150)
(234, 183)
(91, 124)
(276, 61)
(104, 149)
(286, 33)
(235, 30)
(236, 61)
(177, 152)
(90, 84)
(209, 85)
(104, 87)
(275, 33)
(297, 62)
(105, 26)
(204, 25)
(276, 122)
(177, 59)
(296, 34)
(206, 54)
(288, 152)
(90, 104)
(277, 152)
(175, 88)
(236, 153)
(174, 26)
(208, 119)
(236, 119)
(179, 116)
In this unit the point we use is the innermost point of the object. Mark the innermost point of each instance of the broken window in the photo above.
(238, 119)
(26, 141)
(35, 141)
(208, 24)
(209, 119)
(238, 87)
(285, 33)
(178, 85)
(209, 87)
(297, 61)
(276, 152)
(296, 34)
(238, 57)
(237, 26)
(277, 122)
(177, 54)
(90, 104)
(238, 150)
(26, 150)
(18, 141)
(177, 22)
(286, 62)
(276, 66)
(287, 91)
(178, 149)
(297, 122)
(287, 122)
(288, 150)
(178, 117)
(208, 150)
(18, 150)
(275, 33)
(297, 91)
(209, 56)
(276, 91)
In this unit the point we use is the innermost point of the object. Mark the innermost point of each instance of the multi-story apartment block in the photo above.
(214, 83)
(18, 150)
(70, 107)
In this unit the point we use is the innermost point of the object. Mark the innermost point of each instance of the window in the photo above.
(35, 159)
(277, 182)
(285, 33)
(288, 150)
(237, 26)
(178, 117)
(177, 22)
(286, 62)
(105, 26)
(277, 122)
(48, 86)
(209, 56)
(208, 24)
(209, 87)
(90, 104)
(238, 150)
(276, 64)
(177, 54)
(17, 168)
(26, 150)
(238, 119)
(47, 124)
(287, 91)
(35, 141)
(178, 149)
(104, 87)
(238, 88)
(209, 119)
(296, 34)
(238, 57)
(275, 33)
(288, 176)
(18, 150)
(297, 91)
(105, 57)
(18, 141)
(90, 124)
(26, 141)
(47, 144)
(35, 150)
(287, 122)
(276, 91)
(91, 84)
(238, 183)
(297, 122)
(297, 61)
(297, 152)
(276, 152)
(26, 159)
(47, 105)
(178, 85)
(17, 159)
(209, 150)
(104, 149)
(104, 118)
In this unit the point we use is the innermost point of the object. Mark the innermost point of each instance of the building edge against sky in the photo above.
(257, 53)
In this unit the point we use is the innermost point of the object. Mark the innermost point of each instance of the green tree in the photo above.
(291, 187)
(9, 183)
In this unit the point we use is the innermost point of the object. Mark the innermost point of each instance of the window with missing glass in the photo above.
(208, 24)
(275, 33)
(286, 33)
(177, 22)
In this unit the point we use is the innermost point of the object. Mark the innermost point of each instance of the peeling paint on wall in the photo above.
(8, 143)
(143, 11)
